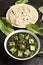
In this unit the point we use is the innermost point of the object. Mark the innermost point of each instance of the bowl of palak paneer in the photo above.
(22, 44)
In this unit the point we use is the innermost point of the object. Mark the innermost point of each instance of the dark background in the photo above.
(6, 59)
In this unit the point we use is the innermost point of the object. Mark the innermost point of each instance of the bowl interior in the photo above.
(18, 31)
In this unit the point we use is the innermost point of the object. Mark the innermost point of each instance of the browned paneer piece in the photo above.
(15, 37)
(21, 46)
(11, 43)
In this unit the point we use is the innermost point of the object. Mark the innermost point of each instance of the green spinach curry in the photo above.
(22, 45)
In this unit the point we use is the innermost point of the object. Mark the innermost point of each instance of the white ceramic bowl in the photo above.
(7, 14)
(5, 44)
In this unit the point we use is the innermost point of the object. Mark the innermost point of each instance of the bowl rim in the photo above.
(7, 13)
(17, 31)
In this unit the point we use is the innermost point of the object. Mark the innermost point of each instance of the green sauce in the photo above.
(22, 45)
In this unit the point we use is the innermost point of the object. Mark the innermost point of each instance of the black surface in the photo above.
(6, 59)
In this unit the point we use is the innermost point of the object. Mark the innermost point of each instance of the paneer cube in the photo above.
(21, 46)
(20, 54)
(27, 52)
(32, 48)
(21, 36)
(31, 41)
(13, 50)
(11, 43)
(27, 37)
(15, 37)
